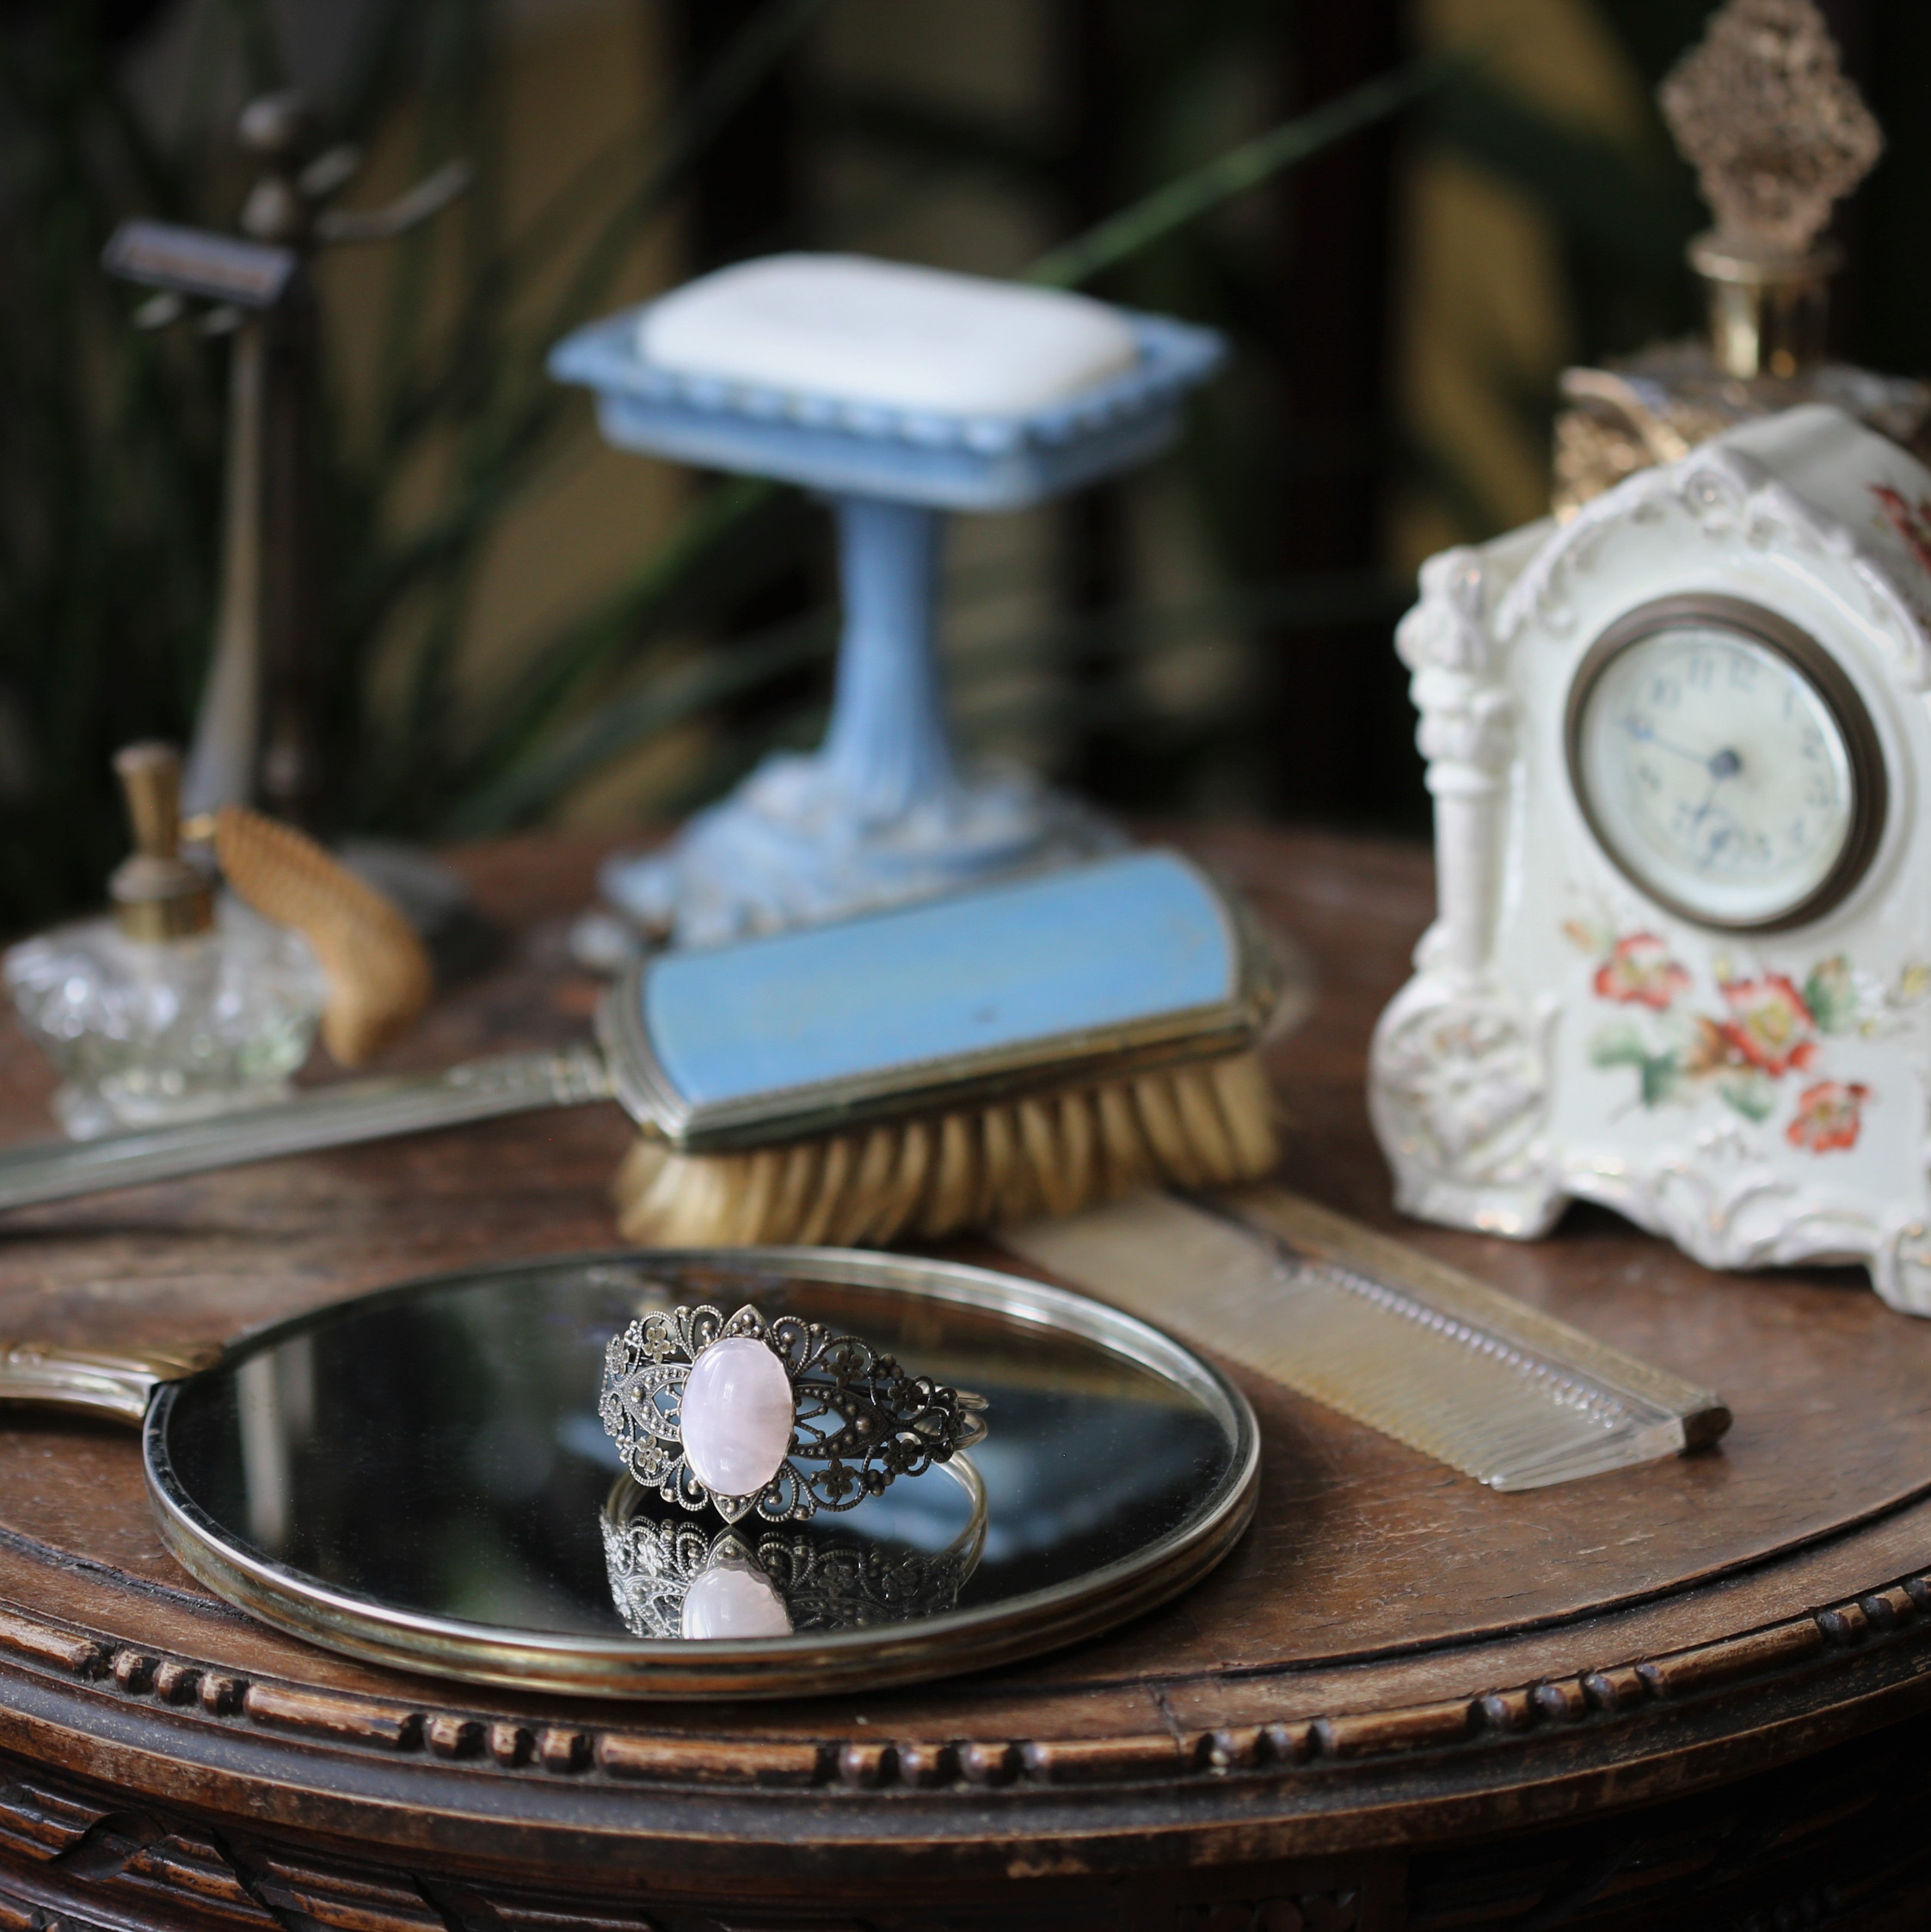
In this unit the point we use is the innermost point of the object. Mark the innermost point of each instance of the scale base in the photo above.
(789, 848)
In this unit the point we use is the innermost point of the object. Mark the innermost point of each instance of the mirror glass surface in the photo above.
(437, 1449)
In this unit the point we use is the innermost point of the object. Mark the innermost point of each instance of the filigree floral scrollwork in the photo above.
(844, 1584)
(859, 1421)
(650, 1566)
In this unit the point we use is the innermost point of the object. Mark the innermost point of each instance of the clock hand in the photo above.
(1645, 733)
(1724, 764)
(1702, 810)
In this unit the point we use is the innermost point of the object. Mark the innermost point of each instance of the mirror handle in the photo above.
(96, 1381)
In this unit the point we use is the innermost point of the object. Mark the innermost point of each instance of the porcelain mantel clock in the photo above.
(1680, 750)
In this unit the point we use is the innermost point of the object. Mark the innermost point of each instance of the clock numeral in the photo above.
(1665, 692)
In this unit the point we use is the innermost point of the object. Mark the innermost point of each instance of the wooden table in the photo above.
(1683, 1696)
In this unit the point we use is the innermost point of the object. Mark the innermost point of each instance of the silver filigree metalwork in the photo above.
(823, 1585)
(859, 1421)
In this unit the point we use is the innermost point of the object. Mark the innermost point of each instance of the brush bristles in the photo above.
(1210, 1123)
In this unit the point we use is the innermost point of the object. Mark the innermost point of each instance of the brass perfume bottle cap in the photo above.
(157, 895)
(1777, 135)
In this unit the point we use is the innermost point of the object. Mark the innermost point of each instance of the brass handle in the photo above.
(343, 1115)
(96, 1381)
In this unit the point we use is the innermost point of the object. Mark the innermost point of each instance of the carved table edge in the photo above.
(205, 1692)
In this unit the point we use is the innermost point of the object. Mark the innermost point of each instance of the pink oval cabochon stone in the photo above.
(734, 1599)
(737, 1414)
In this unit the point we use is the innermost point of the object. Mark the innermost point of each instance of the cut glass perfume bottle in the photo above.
(1777, 135)
(178, 1005)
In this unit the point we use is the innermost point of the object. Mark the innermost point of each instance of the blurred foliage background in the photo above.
(527, 628)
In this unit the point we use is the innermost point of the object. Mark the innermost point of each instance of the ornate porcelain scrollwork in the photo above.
(1748, 1075)
(1459, 1084)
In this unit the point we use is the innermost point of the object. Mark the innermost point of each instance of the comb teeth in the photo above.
(1464, 1398)
(1511, 1397)
(379, 976)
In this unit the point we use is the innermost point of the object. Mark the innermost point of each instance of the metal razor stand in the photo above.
(255, 735)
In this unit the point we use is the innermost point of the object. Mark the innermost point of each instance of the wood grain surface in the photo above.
(1401, 1692)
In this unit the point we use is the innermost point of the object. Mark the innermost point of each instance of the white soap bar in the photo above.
(885, 332)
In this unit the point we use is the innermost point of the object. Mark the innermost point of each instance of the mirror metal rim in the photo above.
(873, 1658)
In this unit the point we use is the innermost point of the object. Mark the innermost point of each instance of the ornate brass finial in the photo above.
(1777, 135)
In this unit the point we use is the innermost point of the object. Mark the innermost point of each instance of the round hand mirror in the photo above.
(419, 1476)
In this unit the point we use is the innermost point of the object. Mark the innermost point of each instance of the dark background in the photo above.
(1312, 484)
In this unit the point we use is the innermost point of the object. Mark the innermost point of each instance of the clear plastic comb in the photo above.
(1370, 1327)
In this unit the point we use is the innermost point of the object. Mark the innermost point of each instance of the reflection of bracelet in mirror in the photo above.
(673, 1578)
(783, 1416)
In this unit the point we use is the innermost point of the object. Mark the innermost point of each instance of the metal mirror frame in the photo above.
(871, 1659)
(1869, 791)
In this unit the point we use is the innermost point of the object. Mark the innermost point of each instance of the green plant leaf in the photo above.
(1173, 206)
(668, 699)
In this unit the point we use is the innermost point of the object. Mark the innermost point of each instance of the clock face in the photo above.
(1726, 762)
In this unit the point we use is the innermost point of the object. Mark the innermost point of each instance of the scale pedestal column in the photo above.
(880, 812)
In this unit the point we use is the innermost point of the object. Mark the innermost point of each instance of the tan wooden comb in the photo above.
(379, 977)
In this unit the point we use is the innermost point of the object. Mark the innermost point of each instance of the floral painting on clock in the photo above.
(1763, 1044)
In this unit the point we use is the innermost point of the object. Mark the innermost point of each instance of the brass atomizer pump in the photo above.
(157, 894)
